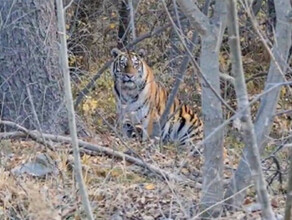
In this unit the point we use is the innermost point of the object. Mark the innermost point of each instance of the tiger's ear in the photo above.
(115, 52)
(142, 53)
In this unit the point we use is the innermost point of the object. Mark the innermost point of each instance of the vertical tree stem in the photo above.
(248, 131)
(132, 19)
(269, 100)
(289, 192)
(70, 108)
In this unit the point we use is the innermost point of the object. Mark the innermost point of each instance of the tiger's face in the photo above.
(127, 69)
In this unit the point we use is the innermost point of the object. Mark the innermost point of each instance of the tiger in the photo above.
(141, 101)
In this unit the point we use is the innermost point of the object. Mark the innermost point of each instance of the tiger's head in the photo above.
(128, 69)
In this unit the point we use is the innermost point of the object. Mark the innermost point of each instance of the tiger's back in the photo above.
(141, 101)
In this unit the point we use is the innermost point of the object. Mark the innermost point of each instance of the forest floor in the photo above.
(117, 189)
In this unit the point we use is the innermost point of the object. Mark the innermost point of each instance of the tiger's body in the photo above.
(141, 101)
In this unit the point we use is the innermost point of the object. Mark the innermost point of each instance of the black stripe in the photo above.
(180, 112)
(192, 116)
(143, 86)
(186, 136)
(141, 106)
(191, 128)
(135, 99)
(117, 91)
(123, 98)
(174, 106)
(182, 124)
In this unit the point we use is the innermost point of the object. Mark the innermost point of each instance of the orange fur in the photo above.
(145, 100)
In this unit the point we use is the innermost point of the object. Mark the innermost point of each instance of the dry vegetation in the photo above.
(115, 187)
(118, 189)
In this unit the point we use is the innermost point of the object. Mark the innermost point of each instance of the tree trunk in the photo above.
(248, 132)
(213, 117)
(30, 79)
(288, 205)
(271, 17)
(212, 191)
(265, 114)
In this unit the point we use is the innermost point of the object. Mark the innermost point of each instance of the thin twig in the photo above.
(227, 78)
(284, 112)
(87, 88)
(12, 134)
(181, 73)
(266, 46)
(68, 5)
(194, 62)
(258, 75)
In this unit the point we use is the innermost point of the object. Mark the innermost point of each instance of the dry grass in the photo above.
(115, 187)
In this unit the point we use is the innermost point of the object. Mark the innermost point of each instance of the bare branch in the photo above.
(37, 138)
(180, 75)
(227, 78)
(70, 109)
(285, 112)
(93, 149)
(256, 6)
(195, 64)
(197, 18)
(34, 111)
(226, 122)
(91, 83)
(248, 131)
(277, 59)
(68, 5)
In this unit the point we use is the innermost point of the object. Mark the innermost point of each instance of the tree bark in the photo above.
(256, 6)
(248, 132)
(288, 206)
(211, 33)
(265, 115)
(212, 191)
(30, 79)
(70, 108)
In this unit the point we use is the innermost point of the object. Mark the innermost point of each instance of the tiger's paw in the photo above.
(131, 131)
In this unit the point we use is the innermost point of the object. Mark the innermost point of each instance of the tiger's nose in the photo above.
(130, 76)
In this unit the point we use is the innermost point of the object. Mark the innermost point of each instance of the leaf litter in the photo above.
(117, 189)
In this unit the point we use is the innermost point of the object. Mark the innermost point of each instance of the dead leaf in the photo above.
(150, 186)
(274, 203)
